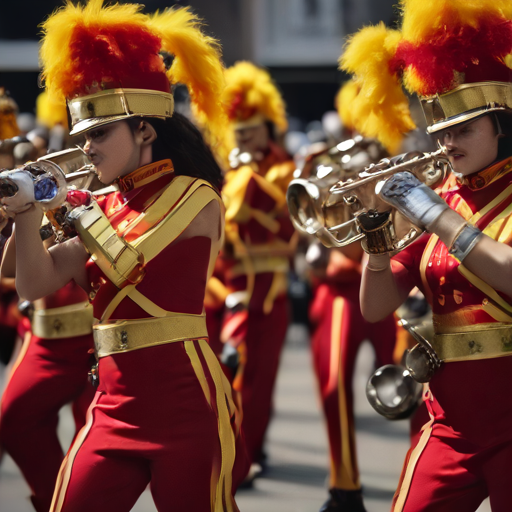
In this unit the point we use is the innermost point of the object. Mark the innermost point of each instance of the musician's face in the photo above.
(116, 149)
(471, 146)
(253, 139)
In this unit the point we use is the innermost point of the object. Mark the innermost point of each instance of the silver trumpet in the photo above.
(52, 175)
(351, 209)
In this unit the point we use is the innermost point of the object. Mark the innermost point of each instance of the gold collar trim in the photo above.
(145, 175)
(482, 179)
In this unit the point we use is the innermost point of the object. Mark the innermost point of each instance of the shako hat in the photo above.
(452, 53)
(105, 61)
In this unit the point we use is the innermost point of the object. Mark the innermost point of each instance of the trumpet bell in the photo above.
(307, 195)
(334, 227)
(393, 393)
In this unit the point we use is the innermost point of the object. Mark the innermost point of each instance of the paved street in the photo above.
(298, 461)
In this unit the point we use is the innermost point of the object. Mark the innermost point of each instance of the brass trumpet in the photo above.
(309, 192)
(351, 209)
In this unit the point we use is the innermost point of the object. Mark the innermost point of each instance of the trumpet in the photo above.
(320, 171)
(351, 209)
(52, 175)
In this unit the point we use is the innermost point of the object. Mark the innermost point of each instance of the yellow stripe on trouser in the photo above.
(67, 464)
(223, 498)
(201, 377)
(346, 478)
(411, 466)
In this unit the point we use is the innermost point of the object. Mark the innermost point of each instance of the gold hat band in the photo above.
(255, 120)
(464, 103)
(112, 105)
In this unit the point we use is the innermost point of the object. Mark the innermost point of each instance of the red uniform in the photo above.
(162, 412)
(339, 330)
(256, 262)
(464, 452)
(50, 372)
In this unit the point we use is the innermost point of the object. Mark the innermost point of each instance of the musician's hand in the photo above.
(24, 198)
(420, 204)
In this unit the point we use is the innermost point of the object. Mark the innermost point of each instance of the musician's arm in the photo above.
(383, 287)
(8, 266)
(40, 271)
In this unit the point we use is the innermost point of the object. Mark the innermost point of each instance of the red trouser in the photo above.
(263, 337)
(155, 419)
(49, 373)
(465, 451)
(340, 329)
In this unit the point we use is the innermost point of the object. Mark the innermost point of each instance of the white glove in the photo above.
(24, 197)
(419, 203)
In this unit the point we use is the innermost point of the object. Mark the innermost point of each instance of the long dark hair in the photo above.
(504, 119)
(179, 140)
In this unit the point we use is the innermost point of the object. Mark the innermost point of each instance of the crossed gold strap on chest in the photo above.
(119, 260)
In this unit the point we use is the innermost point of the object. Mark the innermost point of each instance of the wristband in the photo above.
(378, 262)
(464, 241)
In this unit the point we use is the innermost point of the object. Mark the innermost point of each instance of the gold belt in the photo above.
(128, 335)
(64, 322)
(469, 346)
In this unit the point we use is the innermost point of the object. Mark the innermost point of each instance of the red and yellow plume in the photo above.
(86, 49)
(250, 91)
(444, 39)
(381, 109)
(442, 45)
(197, 64)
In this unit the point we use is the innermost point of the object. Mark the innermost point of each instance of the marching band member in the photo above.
(50, 372)
(259, 242)
(453, 55)
(163, 412)
(338, 331)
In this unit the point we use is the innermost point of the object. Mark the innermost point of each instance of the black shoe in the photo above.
(254, 471)
(344, 501)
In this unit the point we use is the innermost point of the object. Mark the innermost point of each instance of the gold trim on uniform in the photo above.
(64, 322)
(128, 335)
(117, 259)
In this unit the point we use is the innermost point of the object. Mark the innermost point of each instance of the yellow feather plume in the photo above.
(421, 18)
(197, 64)
(381, 109)
(344, 98)
(255, 90)
(50, 112)
(58, 68)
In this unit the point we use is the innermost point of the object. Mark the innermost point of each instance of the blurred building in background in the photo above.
(299, 41)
